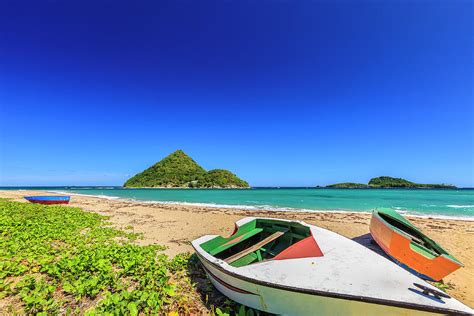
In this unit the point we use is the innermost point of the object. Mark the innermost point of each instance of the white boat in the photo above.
(293, 268)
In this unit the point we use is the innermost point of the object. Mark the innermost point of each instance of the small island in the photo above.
(385, 182)
(178, 170)
(348, 185)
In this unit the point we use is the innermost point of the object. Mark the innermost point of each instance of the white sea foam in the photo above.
(460, 206)
(107, 197)
(271, 208)
(438, 216)
(411, 213)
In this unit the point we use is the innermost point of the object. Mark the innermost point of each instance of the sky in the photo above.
(282, 93)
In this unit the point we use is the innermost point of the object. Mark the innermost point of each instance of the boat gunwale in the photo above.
(47, 197)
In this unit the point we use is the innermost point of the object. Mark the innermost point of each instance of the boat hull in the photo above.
(346, 279)
(48, 200)
(288, 301)
(397, 246)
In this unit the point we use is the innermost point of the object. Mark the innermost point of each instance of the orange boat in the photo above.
(409, 247)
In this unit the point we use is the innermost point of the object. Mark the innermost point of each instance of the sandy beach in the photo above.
(175, 226)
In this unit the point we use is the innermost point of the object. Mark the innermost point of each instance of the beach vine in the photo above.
(63, 260)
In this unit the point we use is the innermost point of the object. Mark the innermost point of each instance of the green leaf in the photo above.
(221, 313)
(75, 258)
(132, 308)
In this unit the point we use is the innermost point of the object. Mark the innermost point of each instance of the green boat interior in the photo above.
(256, 241)
(420, 242)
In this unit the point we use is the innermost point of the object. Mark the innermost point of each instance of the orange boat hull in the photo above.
(398, 247)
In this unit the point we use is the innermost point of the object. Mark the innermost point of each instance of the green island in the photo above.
(348, 185)
(389, 182)
(63, 260)
(178, 170)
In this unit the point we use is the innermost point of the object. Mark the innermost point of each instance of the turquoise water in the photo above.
(453, 203)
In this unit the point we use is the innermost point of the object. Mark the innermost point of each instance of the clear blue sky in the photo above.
(283, 93)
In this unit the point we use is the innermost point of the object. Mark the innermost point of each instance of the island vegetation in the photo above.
(219, 178)
(178, 170)
(389, 182)
(348, 185)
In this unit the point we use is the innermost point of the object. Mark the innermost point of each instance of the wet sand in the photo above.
(175, 226)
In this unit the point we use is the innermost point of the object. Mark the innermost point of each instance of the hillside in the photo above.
(388, 182)
(220, 178)
(178, 170)
(348, 185)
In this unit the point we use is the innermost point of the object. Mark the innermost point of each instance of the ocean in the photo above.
(438, 203)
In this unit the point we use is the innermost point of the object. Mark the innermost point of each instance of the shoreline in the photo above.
(176, 225)
(44, 188)
(268, 208)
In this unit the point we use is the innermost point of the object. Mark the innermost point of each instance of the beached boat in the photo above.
(292, 268)
(409, 247)
(48, 199)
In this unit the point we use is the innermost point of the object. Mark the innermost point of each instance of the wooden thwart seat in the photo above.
(236, 240)
(253, 248)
